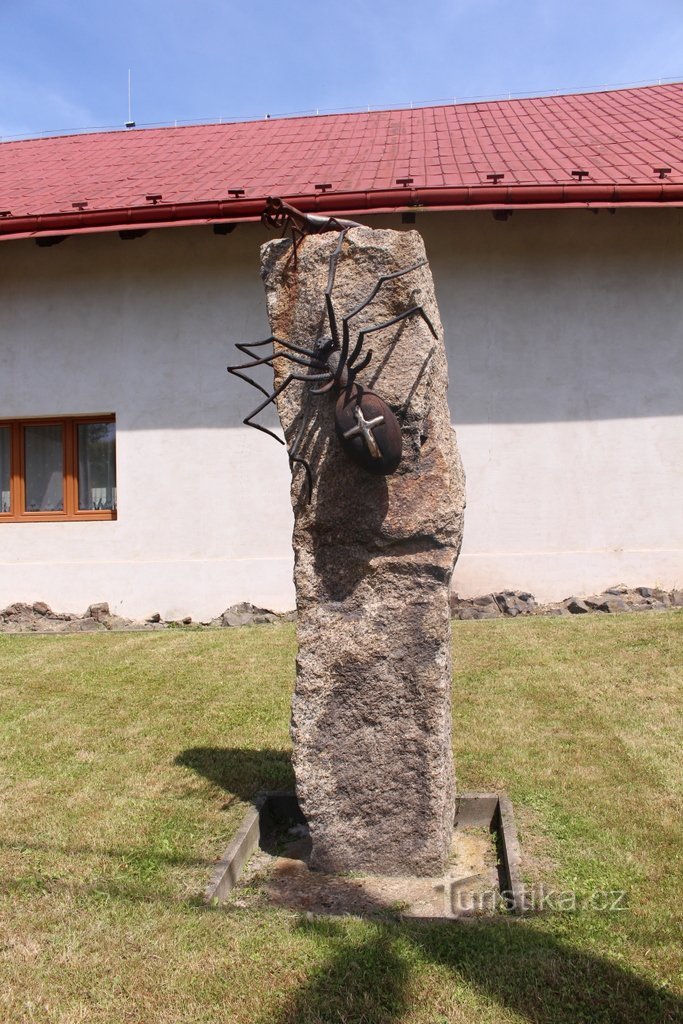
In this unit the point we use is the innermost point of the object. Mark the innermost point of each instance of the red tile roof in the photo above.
(620, 138)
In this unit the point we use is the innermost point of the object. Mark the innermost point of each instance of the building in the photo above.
(131, 267)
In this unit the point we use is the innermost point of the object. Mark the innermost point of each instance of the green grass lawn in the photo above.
(127, 760)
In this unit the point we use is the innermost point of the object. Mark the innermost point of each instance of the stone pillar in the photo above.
(371, 715)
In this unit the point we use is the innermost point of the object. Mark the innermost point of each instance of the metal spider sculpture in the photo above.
(365, 425)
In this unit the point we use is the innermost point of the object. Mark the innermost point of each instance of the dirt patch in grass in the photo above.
(280, 877)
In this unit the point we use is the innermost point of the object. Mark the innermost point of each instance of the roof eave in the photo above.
(441, 199)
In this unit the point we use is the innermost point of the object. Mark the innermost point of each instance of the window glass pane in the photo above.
(96, 466)
(4, 468)
(44, 452)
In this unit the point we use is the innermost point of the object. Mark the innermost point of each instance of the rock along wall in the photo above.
(371, 714)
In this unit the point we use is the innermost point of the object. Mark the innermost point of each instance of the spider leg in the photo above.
(299, 360)
(356, 351)
(297, 238)
(270, 398)
(255, 384)
(291, 451)
(334, 259)
(387, 323)
(345, 360)
(238, 371)
(293, 459)
(297, 459)
(325, 388)
(244, 346)
(361, 366)
(382, 280)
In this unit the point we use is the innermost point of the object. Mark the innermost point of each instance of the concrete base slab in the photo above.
(482, 875)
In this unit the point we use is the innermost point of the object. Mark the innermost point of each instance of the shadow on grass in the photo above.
(240, 772)
(514, 963)
(511, 963)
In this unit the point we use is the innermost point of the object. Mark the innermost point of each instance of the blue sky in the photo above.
(65, 62)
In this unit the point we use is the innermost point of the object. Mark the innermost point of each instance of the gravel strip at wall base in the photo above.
(97, 618)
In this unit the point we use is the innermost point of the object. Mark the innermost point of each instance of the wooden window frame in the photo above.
(70, 513)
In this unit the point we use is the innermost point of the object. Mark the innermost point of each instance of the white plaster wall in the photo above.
(564, 338)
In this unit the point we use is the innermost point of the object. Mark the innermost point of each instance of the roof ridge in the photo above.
(50, 135)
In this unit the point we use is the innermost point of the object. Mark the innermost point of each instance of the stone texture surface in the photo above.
(100, 612)
(371, 715)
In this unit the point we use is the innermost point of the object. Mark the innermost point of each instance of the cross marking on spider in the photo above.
(364, 428)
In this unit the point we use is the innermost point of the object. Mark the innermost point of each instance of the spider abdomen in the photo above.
(368, 430)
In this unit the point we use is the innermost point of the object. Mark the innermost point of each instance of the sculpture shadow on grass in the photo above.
(239, 771)
(513, 963)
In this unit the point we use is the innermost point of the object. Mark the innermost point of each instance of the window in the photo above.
(58, 469)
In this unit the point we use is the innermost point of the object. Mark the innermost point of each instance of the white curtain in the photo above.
(96, 466)
(44, 449)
